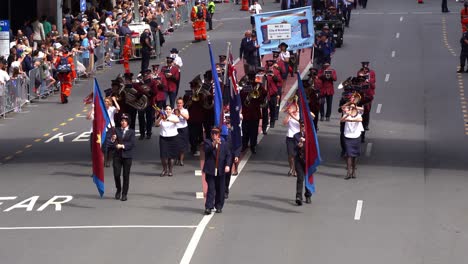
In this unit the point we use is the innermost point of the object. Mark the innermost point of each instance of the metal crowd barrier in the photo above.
(13, 95)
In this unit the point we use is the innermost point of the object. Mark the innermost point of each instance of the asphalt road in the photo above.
(411, 180)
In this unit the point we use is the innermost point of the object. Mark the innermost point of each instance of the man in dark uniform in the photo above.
(123, 142)
(367, 77)
(463, 52)
(313, 85)
(251, 117)
(217, 163)
(146, 48)
(299, 163)
(146, 116)
(226, 136)
(195, 122)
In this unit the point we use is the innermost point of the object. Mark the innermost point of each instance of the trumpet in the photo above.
(196, 95)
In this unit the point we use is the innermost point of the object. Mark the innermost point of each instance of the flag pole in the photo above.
(228, 49)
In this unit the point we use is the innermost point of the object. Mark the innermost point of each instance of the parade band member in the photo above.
(328, 77)
(284, 56)
(313, 85)
(367, 77)
(160, 99)
(131, 112)
(178, 63)
(168, 143)
(195, 123)
(171, 74)
(226, 136)
(217, 163)
(251, 114)
(292, 121)
(299, 164)
(352, 132)
(123, 142)
(182, 130)
(274, 84)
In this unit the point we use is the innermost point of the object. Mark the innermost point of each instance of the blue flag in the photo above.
(218, 96)
(100, 122)
(312, 150)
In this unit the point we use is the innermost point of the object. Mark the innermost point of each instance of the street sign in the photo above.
(4, 37)
(82, 5)
(279, 31)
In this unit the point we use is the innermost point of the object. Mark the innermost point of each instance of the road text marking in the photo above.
(397, 35)
(368, 149)
(387, 77)
(393, 54)
(357, 214)
(379, 108)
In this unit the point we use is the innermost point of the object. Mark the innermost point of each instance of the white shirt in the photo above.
(4, 78)
(168, 129)
(182, 121)
(111, 112)
(38, 29)
(293, 127)
(353, 129)
(284, 55)
(177, 60)
(256, 7)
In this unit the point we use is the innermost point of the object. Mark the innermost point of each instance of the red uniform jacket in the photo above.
(371, 81)
(251, 112)
(327, 84)
(161, 86)
(273, 83)
(172, 80)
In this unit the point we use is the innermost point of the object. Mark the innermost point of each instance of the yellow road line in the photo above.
(38, 140)
(70, 119)
(46, 135)
(27, 146)
(55, 129)
(19, 152)
(63, 124)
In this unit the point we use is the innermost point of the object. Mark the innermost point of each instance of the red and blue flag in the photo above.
(312, 150)
(218, 96)
(100, 122)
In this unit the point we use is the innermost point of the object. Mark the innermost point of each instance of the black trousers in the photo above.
(196, 135)
(132, 112)
(463, 59)
(145, 58)
(216, 189)
(208, 125)
(342, 139)
(300, 170)
(363, 3)
(146, 120)
(444, 6)
(118, 164)
(209, 19)
(328, 99)
(272, 107)
(227, 179)
(347, 15)
(366, 119)
(249, 133)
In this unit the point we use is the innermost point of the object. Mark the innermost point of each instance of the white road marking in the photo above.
(373, 13)
(398, 13)
(90, 227)
(199, 195)
(379, 108)
(190, 250)
(421, 13)
(397, 35)
(393, 54)
(368, 149)
(357, 214)
(198, 173)
(401, 19)
(387, 77)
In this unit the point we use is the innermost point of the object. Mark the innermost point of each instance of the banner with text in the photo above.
(294, 27)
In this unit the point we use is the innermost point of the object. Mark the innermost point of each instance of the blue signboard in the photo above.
(294, 27)
(4, 37)
(82, 5)
(4, 26)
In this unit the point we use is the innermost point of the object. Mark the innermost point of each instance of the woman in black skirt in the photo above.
(352, 133)
(182, 129)
(168, 143)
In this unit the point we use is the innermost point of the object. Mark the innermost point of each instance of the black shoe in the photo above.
(308, 200)
(218, 211)
(176, 162)
(348, 176)
(107, 164)
(328, 119)
(117, 195)
(141, 137)
(272, 125)
(299, 202)
(254, 151)
(163, 173)
(148, 136)
(366, 128)
(124, 198)
(181, 163)
(170, 174)
(265, 133)
(207, 211)
(321, 118)
(460, 70)
(226, 195)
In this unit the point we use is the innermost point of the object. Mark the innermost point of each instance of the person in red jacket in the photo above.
(274, 87)
(198, 16)
(464, 17)
(368, 82)
(160, 98)
(65, 77)
(172, 76)
(328, 77)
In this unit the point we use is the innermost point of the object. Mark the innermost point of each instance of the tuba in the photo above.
(208, 99)
(135, 99)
